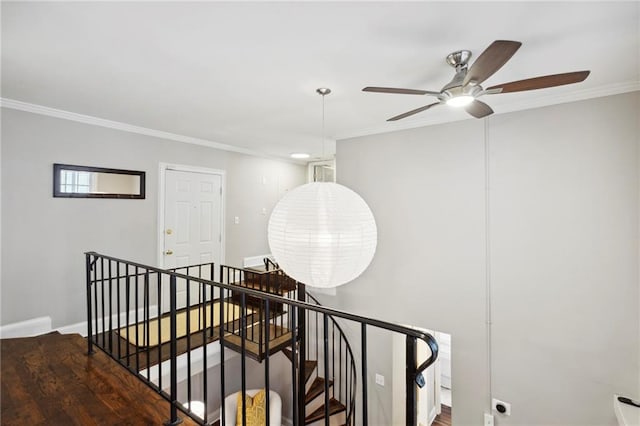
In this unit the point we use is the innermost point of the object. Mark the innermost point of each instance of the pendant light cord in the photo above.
(323, 152)
(323, 91)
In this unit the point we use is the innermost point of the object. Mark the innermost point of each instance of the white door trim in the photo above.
(162, 168)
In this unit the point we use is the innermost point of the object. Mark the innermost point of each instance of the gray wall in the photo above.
(562, 237)
(44, 238)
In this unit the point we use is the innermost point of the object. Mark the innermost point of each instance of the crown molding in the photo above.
(437, 117)
(125, 127)
(443, 116)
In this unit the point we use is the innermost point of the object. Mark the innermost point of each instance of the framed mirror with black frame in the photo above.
(71, 181)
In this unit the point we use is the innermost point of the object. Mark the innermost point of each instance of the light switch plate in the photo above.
(488, 419)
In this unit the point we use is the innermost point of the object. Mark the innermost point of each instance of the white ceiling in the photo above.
(245, 74)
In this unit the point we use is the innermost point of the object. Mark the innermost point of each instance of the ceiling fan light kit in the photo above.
(465, 87)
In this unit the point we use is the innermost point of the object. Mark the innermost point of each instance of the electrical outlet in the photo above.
(236, 220)
(380, 379)
(488, 419)
(501, 407)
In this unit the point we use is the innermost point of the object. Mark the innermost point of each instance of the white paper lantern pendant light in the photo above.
(322, 234)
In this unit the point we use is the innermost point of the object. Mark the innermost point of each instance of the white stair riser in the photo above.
(313, 376)
(316, 402)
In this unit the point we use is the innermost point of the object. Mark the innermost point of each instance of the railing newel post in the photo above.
(411, 394)
(365, 402)
(89, 267)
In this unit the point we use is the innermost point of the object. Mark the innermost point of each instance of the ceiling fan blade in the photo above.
(478, 109)
(399, 91)
(410, 113)
(542, 82)
(491, 60)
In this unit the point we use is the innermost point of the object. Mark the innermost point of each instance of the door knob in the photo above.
(168, 252)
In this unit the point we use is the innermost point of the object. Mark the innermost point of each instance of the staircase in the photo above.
(256, 313)
(274, 281)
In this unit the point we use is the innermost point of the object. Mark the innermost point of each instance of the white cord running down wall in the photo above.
(487, 215)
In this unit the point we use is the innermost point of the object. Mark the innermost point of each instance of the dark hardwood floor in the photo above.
(444, 418)
(51, 380)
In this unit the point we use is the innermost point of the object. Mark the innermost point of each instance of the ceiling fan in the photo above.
(465, 89)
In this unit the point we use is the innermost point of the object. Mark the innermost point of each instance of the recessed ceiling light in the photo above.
(459, 101)
(300, 155)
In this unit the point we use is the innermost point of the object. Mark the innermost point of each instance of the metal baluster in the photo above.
(211, 289)
(317, 339)
(267, 332)
(243, 344)
(325, 321)
(88, 268)
(159, 316)
(333, 357)
(189, 340)
(205, 387)
(118, 307)
(294, 382)
(95, 300)
(302, 353)
(102, 300)
(222, 391)
(146, 321)
(127, 320)
(364, 376)
(137, 322)
(110, 311)
(174, 420)
(340, 367)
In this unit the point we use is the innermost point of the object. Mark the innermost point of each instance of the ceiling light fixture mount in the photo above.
(459, 58)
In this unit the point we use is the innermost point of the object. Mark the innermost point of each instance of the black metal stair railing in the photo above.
(149, 319)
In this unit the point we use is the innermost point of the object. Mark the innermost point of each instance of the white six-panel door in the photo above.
(192, 222)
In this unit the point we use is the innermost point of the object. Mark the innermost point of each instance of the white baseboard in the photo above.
(42, 325)
(81, 327)
(28, 328)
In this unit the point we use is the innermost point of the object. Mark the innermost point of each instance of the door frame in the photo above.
(162, 170)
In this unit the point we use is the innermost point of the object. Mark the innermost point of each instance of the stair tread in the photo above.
(279, 338)
(273, 287)
(309, 365)
(335, 407)
(317, 388)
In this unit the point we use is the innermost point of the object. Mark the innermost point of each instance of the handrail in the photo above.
(426, 337)
(107, 277)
